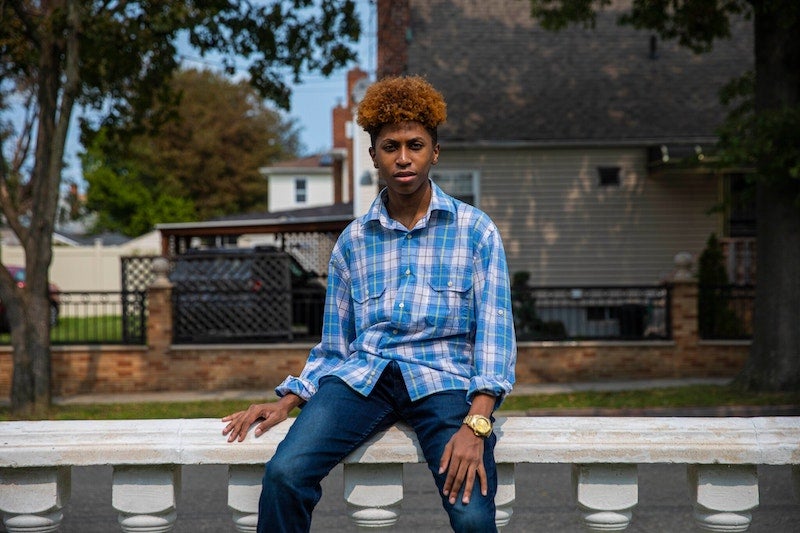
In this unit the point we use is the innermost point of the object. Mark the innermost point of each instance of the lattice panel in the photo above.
(312, 250)
(137, 272)
(236, 297)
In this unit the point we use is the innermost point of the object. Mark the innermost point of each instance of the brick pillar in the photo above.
(683, 310)
(159, 320)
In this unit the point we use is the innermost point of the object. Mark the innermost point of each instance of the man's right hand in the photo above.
(270, 414)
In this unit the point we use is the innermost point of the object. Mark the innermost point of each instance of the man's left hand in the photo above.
(463, 461)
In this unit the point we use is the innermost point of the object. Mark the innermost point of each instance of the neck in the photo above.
(408, 210)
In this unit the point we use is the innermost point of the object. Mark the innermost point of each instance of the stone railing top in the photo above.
(768, 440)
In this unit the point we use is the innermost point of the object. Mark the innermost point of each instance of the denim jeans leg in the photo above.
(435, 419)
(334, 422)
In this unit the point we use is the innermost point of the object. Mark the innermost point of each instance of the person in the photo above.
(417, 328)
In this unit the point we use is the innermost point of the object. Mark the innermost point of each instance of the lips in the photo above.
(405, 177)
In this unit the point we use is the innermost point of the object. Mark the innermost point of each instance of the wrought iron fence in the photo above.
(97, 317)
(583, 313)
(725, 311)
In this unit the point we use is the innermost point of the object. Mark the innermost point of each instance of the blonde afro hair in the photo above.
(397, 99)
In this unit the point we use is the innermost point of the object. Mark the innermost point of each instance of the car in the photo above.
(244, 294)
(18, 273)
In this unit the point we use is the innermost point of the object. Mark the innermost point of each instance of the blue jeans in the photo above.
(337, 420)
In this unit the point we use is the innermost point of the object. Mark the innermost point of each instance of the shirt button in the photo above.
(449, 283)
(395, 331)
(369, 382)
(500, 312)
(401, 305)
(408, 236)
(408, 272)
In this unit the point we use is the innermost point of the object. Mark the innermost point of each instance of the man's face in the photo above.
(403, 154)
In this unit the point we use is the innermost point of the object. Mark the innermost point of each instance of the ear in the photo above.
(435, 154)
(372, 156)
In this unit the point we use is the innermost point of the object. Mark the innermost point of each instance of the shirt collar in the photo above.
(440, 201)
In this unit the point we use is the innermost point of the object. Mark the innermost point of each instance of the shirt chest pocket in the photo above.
(450, 304)
(369, 303)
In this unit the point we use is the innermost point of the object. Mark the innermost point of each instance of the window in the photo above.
(461, 184)
(609, 176)
(300, 190)
(741, 215)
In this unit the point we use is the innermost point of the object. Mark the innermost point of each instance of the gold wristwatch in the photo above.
(480, 425)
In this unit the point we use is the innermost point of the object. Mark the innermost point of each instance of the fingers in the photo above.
(463, 462)
(239, 423)
(484, 480)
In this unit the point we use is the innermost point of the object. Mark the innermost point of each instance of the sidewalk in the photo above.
(544, 388)
(520, 389)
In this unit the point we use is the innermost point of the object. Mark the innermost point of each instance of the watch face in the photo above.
(482, 426)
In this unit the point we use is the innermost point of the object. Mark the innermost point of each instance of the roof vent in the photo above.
(609, 176)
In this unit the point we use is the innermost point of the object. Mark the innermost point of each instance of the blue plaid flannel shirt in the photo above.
(436, 299)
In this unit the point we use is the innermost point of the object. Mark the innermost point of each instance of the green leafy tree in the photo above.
(763, 131)
(127, 196)
(203, 162)
(114, 56)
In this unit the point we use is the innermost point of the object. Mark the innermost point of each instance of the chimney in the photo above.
(343, 141)
(394, 26)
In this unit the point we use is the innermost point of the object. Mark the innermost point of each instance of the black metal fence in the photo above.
(725, 311)
(584, 313)
(97, 317)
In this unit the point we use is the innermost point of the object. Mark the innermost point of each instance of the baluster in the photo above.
(723, 496)
(606, 495)
(31, 499)
(506, 494)
(146, 497)
(373, 493)
(244, 490)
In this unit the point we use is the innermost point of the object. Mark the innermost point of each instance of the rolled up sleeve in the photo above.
(495, 341)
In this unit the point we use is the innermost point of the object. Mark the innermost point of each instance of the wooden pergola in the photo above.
(176, 238)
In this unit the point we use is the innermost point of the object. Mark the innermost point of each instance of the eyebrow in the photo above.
(413, 139)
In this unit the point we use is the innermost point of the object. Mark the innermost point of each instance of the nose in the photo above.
(402, 157)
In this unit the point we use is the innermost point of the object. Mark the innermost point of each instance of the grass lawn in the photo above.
(690, 396)
(83, 330)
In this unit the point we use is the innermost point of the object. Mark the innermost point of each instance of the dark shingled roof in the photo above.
(506, 79)
(323, 211)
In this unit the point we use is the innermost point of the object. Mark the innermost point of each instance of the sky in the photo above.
(312, 102)
(314, 99)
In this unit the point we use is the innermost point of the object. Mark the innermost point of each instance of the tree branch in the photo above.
(30, 27)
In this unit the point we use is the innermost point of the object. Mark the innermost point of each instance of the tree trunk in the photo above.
(774, 362)
(57, 87)
(30, 338)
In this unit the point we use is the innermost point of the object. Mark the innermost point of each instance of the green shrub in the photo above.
(715, 318)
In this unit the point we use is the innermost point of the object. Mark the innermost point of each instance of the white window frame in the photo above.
(441, 176)
(301, 190)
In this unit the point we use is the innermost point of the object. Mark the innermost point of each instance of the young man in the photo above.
(418, 328)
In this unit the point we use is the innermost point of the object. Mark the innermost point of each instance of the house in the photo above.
(300, 183)
(587, 147)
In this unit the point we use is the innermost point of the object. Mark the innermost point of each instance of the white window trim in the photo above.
(475, 185)
(297, 190)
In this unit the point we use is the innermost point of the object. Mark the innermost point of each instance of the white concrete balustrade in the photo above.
(721, 455)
